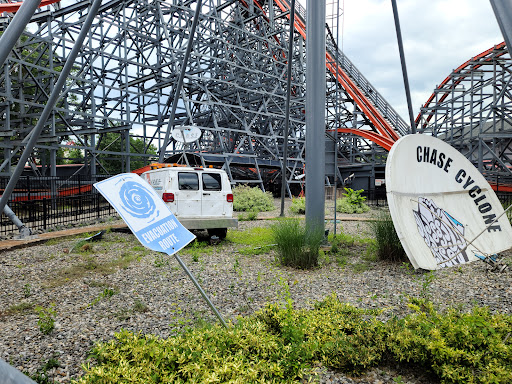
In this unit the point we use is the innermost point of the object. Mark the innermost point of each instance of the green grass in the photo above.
(356, 252)
(23, 307)
(89, 264)
(254, 241)
(297, 246)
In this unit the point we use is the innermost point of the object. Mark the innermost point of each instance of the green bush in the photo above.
(388, 245)
(254, 199)
(352, 202)
(296, 245)
(298, 205)
(282, 345)
(458, 347)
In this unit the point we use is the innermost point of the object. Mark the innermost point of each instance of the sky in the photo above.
(438, 36)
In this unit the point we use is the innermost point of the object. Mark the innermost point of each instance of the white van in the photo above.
(201, 198)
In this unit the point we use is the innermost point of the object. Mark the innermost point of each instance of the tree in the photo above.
(113, 142)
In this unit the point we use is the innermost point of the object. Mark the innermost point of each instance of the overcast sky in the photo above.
(438, 36)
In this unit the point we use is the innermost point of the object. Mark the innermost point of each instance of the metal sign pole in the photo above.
(201, 291)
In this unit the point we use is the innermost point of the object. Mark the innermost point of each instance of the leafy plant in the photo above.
(297, 246)
(252, 199)
(161, 260)
(388, 245)
(298, 205)
(107, 293)
(46, 321)
(41, 376)
(27, 290)
(280, 344)
(352, 202)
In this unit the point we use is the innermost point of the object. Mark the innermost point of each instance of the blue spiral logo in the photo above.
(137, 200)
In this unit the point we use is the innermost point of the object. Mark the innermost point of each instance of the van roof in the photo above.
(180, 167)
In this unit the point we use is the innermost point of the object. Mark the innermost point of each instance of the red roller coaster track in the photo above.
(482, 57)
(13, 7)
(386, 135)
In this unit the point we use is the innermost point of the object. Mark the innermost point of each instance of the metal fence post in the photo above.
(45, 213)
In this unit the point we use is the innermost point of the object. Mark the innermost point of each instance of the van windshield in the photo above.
(188, 181)
(211, 182)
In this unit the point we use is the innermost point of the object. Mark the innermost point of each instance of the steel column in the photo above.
(404, 66)
(287, 112)
(503, 12)
(180, 80)
(315, 115)
(16, 28)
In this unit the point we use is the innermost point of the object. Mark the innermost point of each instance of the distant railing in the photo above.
(44, 203)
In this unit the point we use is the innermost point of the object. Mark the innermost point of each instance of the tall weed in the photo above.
(297, 246)
(388, 245)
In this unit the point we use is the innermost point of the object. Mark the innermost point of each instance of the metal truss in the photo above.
(471, 110)
(234, 89)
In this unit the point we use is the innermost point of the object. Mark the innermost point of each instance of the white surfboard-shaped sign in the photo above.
(187, 134)
(443, 209)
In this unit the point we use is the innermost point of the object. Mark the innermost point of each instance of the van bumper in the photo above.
(206, 223)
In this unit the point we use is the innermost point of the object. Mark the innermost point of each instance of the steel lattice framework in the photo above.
(234, 88)
(471, 110)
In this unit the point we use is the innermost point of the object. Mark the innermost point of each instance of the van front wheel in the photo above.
(219, 232)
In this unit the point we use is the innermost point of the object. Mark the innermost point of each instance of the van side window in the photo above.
(211, 182)
(188, 181)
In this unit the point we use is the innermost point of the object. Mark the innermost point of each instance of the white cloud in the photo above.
(438, 35)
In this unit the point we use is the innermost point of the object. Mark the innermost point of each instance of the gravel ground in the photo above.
(118, 284)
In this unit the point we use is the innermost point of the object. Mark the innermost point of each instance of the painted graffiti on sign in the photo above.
(442, 233)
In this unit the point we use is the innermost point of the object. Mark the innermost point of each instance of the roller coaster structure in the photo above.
(234, 88)
(125, 81)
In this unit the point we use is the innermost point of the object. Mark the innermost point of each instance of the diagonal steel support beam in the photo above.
(7, 42)
(180, 80)
(52, 100)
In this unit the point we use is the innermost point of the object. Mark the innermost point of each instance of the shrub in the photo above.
(388, 245)
(506, 205)
(280, 344)
(458, 347)
(298, 205)
(246, 198)
(297, 246)
(352, 202)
